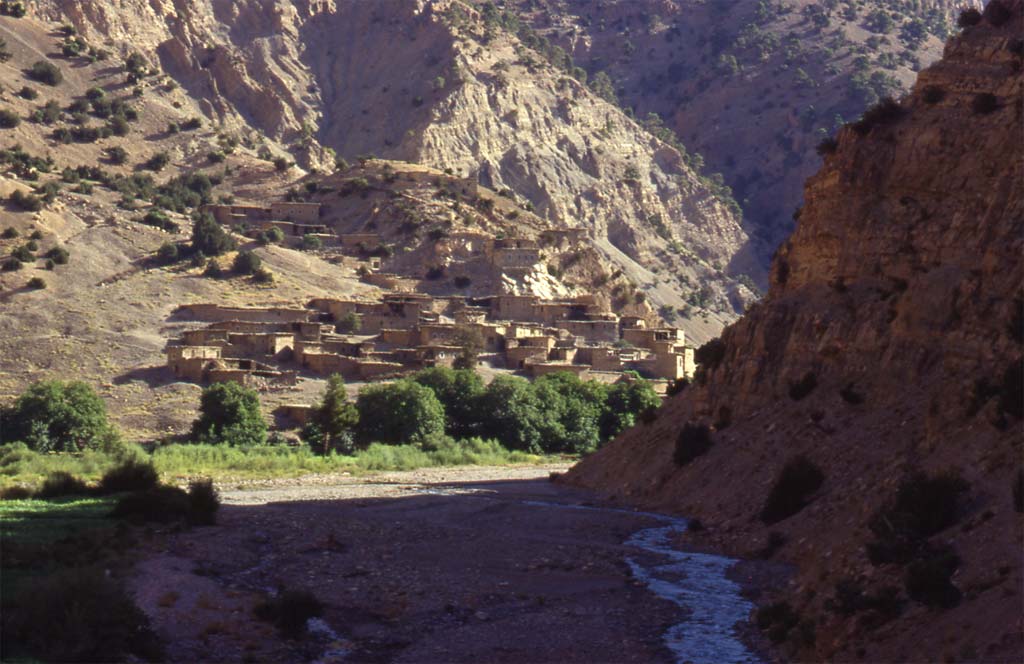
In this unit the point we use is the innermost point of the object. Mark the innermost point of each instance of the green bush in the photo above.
(82, 615)
(58, 416)
(117, 155)
(799, 478)
(923, 506)
(36, 283)
(803, 387)
(229, 413)
(311, 243)
(350, 323)
(693, 441)
(209, 238)
(927, 579)
(246, 262)
(26, 202)
(289, 611)
(9, 119)
(59, 255)
(157, 162)
(399, 412)
(10, 233)
(11, 265)
(168, 252)
(161, 504)
(130, 475)
(61, 483)
(203, 502)
(886, 111)
(281, 164)
(45, 72)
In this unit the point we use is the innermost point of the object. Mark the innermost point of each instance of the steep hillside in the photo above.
(751, 86)
(450, 91)
(889, 344)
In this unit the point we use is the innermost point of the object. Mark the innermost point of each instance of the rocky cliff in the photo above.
(751, 86)
(449, 91)
(888, 346)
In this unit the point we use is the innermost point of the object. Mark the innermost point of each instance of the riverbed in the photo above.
(442, 565)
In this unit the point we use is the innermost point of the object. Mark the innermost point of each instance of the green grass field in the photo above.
(20, 466)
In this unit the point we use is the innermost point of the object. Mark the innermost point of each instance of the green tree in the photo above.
(571, 414)
(510, 413)
(470, 343)
(398, 413)
(458, 390)
(350, 323)
(208, 238)
(57, 416)
(334, 420)
(229, 413)
(625, 403)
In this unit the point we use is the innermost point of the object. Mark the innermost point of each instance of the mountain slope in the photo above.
(889, 344)
(450, 91)
(751, 86)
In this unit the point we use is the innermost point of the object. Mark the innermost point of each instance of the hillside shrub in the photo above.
(984, 103)
(209, 238)
(927, 579)
(213, 269)
(777, 619)
(9, 119)
(25, 202)
(803, 387)
(711, 354)
(23, 253)
(157, 162)
(168, 252)
(850, 598)
(799, 478)
(275, 235)
(886, 111)
(28, 93)
(281, 164)
(923, 506)
(57, 416)
(350, 323)
(116, 155)
(693, 441)
(968, 17)
(130, 475)
(11, 265)
(677, 386)
(13, 8)
(290, 611)
(59, 255)
(311, 243)
(850, 395)
(263, 276)
(36, 283)
(83, 615)
(10, 233)
(827, 146)
(45, 72)
(246, 262)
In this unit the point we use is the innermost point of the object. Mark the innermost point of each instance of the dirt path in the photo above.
(438, 565)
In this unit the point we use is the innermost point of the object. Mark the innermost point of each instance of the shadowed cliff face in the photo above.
(890, 342)
(427, 83)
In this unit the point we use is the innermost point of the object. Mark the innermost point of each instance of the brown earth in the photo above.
(887, 345)
(435, 565)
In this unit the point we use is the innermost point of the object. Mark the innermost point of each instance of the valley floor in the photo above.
(436, 565)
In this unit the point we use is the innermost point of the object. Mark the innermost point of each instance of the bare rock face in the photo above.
(423, 82)
(751, 86)
(890, 343)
